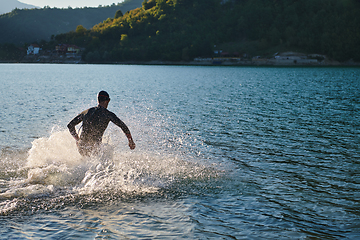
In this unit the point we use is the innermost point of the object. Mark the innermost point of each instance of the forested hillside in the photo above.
(184, 29)
(33, 25)
(177, 30)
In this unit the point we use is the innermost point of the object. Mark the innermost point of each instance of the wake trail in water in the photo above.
(53, 168)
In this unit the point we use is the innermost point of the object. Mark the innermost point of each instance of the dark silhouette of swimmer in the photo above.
(95, 121)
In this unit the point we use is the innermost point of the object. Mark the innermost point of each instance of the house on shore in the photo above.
(288, 58)
(68, 50)
(33, 49)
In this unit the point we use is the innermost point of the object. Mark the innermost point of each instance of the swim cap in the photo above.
(103, 96)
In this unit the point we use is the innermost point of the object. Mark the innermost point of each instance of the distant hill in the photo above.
(182, 30)
(175, 30)
(9, 5)
(22, 26)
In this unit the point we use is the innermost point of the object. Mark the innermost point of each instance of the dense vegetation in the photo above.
(10, 52)
(33, 25)
(183, 29)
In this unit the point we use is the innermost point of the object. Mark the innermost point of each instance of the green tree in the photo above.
(118, 14)
(80, 30)
(145, 5)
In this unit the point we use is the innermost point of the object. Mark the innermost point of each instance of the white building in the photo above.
(33, 49)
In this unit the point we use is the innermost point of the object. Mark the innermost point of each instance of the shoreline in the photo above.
(212, 62)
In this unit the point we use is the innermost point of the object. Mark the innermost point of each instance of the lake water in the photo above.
(222, 153)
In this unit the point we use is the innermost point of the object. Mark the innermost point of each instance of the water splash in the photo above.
(54, 168)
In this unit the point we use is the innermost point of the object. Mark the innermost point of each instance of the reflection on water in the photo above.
(222, 152)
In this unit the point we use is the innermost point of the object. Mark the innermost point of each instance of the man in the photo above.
(95, 121)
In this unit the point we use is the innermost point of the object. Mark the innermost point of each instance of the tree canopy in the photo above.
(184, 29)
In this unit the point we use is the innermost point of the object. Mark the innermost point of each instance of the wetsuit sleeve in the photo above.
(78, 119)
(119, 123)
(123, 126)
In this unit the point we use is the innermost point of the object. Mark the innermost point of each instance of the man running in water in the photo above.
(95, 121)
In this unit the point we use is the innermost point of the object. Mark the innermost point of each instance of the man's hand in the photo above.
(131, 144)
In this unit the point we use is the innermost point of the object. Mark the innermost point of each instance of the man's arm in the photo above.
(72, 125)
(125, 129)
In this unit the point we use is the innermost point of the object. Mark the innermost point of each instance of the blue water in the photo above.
(222, 153)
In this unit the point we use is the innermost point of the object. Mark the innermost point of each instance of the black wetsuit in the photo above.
(95, 121)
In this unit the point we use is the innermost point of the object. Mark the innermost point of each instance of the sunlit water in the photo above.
(222, 153)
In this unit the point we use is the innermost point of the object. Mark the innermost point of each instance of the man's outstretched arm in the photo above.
(125, 129)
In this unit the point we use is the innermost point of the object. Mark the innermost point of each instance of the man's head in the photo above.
(103, 96)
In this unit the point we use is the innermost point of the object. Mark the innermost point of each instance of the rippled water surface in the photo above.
(222, 153)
